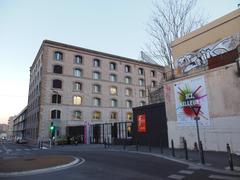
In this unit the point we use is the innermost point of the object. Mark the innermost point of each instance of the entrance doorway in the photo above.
(76, 132)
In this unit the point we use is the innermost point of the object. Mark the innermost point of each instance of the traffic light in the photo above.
(52, 129)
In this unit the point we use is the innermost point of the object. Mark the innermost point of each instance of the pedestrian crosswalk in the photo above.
(17, 150)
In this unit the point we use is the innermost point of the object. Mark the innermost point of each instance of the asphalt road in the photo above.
(110, 165)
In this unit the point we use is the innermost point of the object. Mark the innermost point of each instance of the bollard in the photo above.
(201, 153)
(230, 159)
(173, 151)
(185, 149)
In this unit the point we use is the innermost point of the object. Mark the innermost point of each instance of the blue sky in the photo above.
(116, 27)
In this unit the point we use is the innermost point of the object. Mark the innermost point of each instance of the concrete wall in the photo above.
(222, 85)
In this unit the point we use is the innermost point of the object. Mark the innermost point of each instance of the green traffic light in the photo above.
(51, 127)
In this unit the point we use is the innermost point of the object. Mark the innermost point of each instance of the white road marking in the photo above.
(186, 172)
(223, 177)
(194, 167)
(27, 149)
(174, 176)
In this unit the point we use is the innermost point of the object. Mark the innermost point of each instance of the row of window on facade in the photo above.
(97, 63)
(96, 115)
(77, 100)
(112, 77)
(96, 88)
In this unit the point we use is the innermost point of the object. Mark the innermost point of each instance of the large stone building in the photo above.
(72, 88)
(207, 75)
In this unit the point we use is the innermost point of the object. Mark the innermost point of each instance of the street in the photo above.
(106, 164)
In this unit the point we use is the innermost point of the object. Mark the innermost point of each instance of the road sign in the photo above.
(196, 109)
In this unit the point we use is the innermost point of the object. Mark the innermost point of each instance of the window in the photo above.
(113, 103)
(96, 75)
(57, 69)
(129, 116)
(78, 59)
(56, 98)
(152, 73)
(129, 103)
(128, 92)
(96, 88)
(96, 101)
(127, 68)
(153, 84)
(77, 86)
(113, 116)
(140, 71)
(55, 114)
(96, 63)
(113, 77)
(96, 115)
(58, 56)
(77, 100)
(113, 90)
(112, 66)
(57, 84)
(142, 93)
(129, 129)
(128, 80)
(77, 72)
(141, 82)
(77, 115)
(142, 103)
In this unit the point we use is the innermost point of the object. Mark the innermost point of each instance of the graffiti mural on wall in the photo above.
(200, 58)
(191, 93)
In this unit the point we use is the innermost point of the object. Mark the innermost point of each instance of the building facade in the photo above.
(208, 78)
(10, 127)
(73, 88)
(19, 125)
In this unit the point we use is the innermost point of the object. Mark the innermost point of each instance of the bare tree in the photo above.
(171, 19)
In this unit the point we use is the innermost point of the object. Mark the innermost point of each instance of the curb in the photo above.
(222, 171)
(76, 162)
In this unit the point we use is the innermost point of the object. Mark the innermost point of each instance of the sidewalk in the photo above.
(28, 163)
(213, 159)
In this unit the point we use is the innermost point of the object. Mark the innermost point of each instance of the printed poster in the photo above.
(190, 94)
(141, 123)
